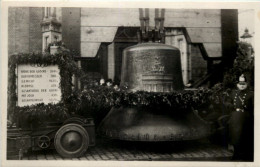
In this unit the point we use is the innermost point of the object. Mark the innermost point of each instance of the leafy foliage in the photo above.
(96, 101)
(243, 64)
(39, 114)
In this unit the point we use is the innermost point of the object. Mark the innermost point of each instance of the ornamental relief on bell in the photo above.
(155, 65)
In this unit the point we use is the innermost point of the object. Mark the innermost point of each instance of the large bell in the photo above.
(152, 67)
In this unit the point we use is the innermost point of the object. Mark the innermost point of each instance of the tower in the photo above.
(51, 27)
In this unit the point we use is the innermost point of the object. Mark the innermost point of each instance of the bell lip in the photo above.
(108, 130)
(151, 45)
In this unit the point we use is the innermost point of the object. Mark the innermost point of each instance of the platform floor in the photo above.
(106, 150)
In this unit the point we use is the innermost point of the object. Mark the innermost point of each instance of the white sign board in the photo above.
(38, 84)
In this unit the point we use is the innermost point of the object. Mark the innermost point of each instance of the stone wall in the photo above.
(24, 30)
(70, 23)
(35, 36)
(18, 30)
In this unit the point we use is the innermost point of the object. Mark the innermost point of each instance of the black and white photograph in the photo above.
(118, 83)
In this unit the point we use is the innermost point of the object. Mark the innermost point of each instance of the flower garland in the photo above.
(96, 101)
(177, 99)
(67, 68)
(40, 114)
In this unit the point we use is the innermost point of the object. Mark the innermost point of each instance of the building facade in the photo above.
(205, 37)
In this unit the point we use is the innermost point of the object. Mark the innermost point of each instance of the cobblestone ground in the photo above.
(105, 150)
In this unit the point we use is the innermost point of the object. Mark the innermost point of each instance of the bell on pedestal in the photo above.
(152, 67)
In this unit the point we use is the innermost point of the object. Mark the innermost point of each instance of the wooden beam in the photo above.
(98, 34)
(204, 35)
(130, 17)
(110, 17)
(89, 49)
(214, 50)
(192, 18)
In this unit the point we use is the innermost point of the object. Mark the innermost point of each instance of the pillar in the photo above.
(111, 61)
(51, 28)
